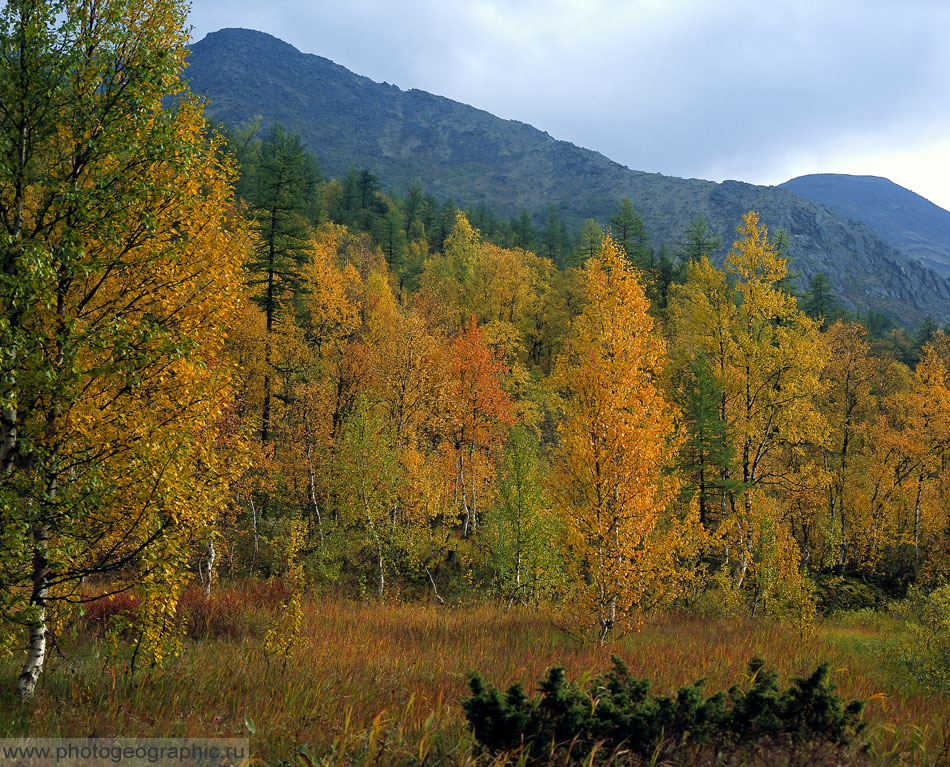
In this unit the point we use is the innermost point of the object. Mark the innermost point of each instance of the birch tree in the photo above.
(118, 278)
(615, 443)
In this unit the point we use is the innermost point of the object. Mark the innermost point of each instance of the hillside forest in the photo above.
(216, 364)
(443, 411)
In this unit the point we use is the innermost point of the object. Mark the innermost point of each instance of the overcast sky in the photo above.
(754, 90)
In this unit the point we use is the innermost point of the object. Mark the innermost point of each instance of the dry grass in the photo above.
(380, 683)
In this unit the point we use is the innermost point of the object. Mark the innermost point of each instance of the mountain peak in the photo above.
(909, 222)
(246, 38)
(475, 158)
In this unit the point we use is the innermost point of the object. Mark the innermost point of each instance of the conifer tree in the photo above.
(630, 234)
(698, 242)
(555, 240)
(591, 237)
(707, 450)
(279, 204)
(820, 302)
(524, 230)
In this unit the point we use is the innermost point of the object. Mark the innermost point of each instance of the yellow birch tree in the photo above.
(766, 357)
(119, 276)
(616, 439)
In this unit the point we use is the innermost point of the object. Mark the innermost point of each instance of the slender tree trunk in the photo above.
(380, 564)
(265, 408)
(9, 420)
(381, 587)
(703, 514)
(206, 568)
(466, 525)
(254, 548)
(8, 440)
(842, 489)
(269, 310)
(920, 490)
(435, 591)
(36, 651)
(757, 595)
(608, 621)
(312, 491)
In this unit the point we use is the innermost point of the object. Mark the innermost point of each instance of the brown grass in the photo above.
(380, 683)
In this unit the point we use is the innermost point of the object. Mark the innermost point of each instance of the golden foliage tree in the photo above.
(118, 280)
(849, 404)
(767, 358)
(616, 439)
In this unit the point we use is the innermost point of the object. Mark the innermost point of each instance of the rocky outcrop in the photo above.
(912, 224)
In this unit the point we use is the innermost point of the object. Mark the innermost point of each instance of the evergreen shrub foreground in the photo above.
(616, 715)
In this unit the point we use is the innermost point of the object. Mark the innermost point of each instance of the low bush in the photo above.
(617, 714)
(839, 593)
(921, 653)
(237, 611)
(98, 616)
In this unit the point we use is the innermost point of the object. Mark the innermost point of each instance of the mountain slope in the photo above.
(459, 151)
(911, 223)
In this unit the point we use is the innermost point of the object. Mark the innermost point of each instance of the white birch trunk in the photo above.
(36, 651)
(206, 569)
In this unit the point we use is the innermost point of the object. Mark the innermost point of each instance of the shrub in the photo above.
(618, 712)
(839, 593)
(922, 651)
(99, 616)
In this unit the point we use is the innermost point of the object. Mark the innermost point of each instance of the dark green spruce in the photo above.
(579, 724)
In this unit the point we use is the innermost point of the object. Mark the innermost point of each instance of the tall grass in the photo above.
(380, 683)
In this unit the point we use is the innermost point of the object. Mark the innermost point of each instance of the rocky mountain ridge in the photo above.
(458, 151)
(911, 223)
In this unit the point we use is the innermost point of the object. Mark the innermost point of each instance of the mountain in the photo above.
(909, 222)
(474, 157)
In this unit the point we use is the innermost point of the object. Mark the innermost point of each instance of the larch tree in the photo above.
(524, 230)
(820, 301)
(703, 312)
(118, 279)
(706, 453)
(589, 240)
(616, 440)
(448, 278)
(630, 234)
(698, 242)
(279, 200)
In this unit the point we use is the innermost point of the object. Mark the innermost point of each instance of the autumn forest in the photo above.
(233, 387)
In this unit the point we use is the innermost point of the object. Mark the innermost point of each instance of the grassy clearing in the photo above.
(380, 683)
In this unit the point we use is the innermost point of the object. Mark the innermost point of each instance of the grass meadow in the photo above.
(380, 683)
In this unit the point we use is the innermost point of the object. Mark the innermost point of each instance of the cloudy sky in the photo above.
(755, 90)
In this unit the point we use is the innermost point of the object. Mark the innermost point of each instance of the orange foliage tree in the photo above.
(616, 440)
(478, 415)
